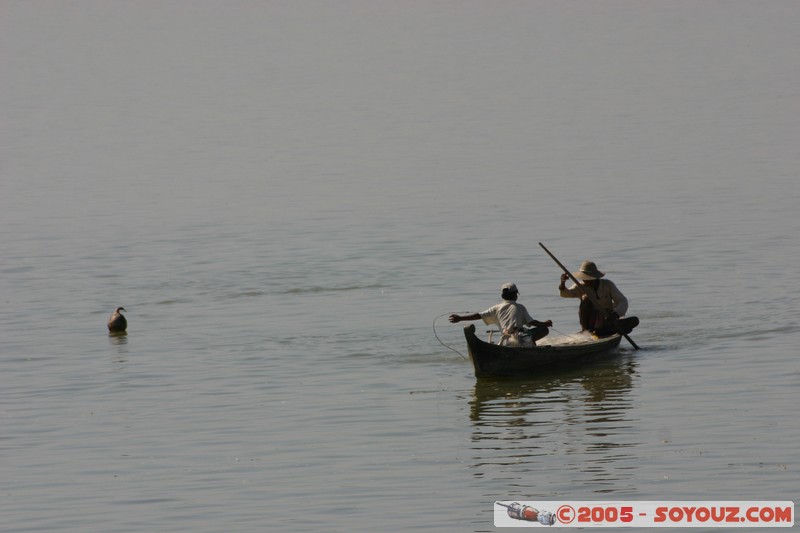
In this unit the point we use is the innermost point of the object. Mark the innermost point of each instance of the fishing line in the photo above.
(440, 340)
(566, 334)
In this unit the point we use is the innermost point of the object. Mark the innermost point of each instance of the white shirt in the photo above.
(509, 315)
(608, 295)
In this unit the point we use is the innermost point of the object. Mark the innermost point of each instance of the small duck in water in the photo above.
(117, 323)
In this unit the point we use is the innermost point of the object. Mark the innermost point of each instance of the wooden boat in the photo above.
(493, 360)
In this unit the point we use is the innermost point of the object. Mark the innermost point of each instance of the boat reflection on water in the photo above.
(558, 435)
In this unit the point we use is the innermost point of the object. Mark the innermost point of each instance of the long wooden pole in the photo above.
(591, 296)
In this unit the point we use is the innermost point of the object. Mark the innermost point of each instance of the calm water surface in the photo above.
(285, 196)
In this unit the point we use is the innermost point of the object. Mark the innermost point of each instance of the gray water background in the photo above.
(284, 195)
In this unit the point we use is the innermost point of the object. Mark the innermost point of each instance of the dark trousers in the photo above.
(593, 320)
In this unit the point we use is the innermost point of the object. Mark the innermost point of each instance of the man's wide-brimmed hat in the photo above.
(588, 272)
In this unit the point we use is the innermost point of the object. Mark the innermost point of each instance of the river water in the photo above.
(286, 195)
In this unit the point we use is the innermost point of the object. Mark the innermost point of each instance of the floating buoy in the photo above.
(527, 513)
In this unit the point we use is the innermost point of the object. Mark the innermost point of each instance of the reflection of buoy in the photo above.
(117, 323)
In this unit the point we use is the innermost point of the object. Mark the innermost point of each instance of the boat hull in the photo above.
(491, 360)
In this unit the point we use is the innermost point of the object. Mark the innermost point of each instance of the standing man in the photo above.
(613, 305)
(512, 318)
